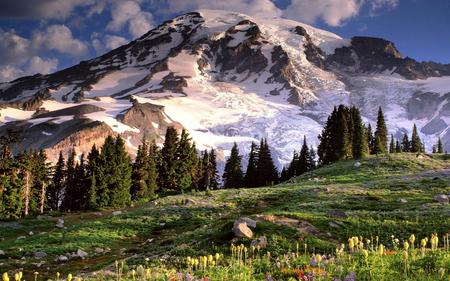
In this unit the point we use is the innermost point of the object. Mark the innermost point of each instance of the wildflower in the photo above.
(381, 250)
(318, 258)
(5, 277)
(406, 245)
(57, 275)
(366, 254)
(69, 277)
(412, 239)
(36, 275)
(16, 276)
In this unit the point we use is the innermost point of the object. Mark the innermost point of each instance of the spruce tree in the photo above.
(416, 144)
(406, 145)
(312, 159)
(233, 176)
(41, 171)
(360, 147)
(340, 135)
(214, 174)
(302, 164)
(11, 200)
(370, 139)
(25, 164)
(70, 191)
(184, 162)
(251, 175)
(55, 189)
(265, 168)
(381, 138)
(440, 148)
(141, 172)
(325, 149)
(205, 173)
(167, 170)
(392, 145)
(398, 147)
(291, 171)
(93, 171)
(120, 176)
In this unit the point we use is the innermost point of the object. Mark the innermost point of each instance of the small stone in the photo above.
(357, 164)
(31, 233)
(81, 254)
(99, 250)
(21, 237)
(334, 224)
(60, 224)
(402, 201)
(189, 201)
(260, 242)
(2, 253)
(116, 213)
(98, 214)
(62, 259)
(40, 254)
(441, 198)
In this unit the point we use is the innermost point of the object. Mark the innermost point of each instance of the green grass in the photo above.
(170, 229)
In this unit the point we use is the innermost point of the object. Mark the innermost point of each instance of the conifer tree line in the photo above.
(107, 176)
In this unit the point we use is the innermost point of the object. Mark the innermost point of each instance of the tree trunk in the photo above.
(42, 202)
(27, 193)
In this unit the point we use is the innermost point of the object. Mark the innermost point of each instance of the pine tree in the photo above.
(93, 171)
(360, 147)
(167, 169)
(381, 139)
(70, 192)
(416, 144)
(406, 145)
(41, 171)
(265, 168)
(55, 190)
(291, 171)
(11, 201)
(398, 147)
(312, 158)
(251, 173)
(392, 145)
(440, 148)
(184, 161)
(302, 164)
(205, 173)
(284, 175)
(120, 176)
(140, 170)
(214, 174)
(25, 164)
(340, 135)
(325, 150)
(370, 139)
(233, 176)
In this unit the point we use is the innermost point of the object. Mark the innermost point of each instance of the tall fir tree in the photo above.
(93, 170)
(398, 147)
(302, 164)
(214, 179)
(205, 172)
(185, 153)
(392, 145)
(58, 182)
(360, 146)
(325, 149)
(250, 178)
(381, 134)
(70, 191)
(439, 147)
(144, 172)
(370, 139)
(25, 164)
(42, 172)
(416, 144)
(406, 145)
(233, 176)
(11, 200)
(167, 170)
(340, 135)
(265, 168)
(120, 176)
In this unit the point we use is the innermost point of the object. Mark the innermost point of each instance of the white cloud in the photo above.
(35, 65)
(129, 13)
(332, 12)
(379, 4)
(102, 44)
(59, 38)
(263, 8)
(41, 65)
(13, 48)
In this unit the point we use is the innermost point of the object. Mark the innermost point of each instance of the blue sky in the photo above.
(47, 35)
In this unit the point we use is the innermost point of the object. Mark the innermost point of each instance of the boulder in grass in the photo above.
(250, 223)
(241, 230)
(2, 253)
(81, 254)
(116, 213)
(441, 198)
(40, 254)
(62, 259)
(60, 224)
(260, 242)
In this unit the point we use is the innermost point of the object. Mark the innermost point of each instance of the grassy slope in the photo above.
(368, 194)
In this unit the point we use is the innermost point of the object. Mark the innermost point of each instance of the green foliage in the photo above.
(233, 176)
(381, 134)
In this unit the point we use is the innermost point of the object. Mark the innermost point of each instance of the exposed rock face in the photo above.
(375, 55)
(313, 53)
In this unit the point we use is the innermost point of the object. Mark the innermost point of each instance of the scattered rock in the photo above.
(98, 214)
(335, 224)
(21, 237)
(357, 164)
(260, 242)
(338, 214)
(402, 201)
(250, 223)
(441, 198)
(81, 254)
(40, 254)
(261, 204)
(240, 229)
(62, 259)
(2, 253)
(116, 213)
(31, 233)
(60, 224)
(189, 201)
(99, 250)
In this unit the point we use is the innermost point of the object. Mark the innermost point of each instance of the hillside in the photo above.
(378, 196)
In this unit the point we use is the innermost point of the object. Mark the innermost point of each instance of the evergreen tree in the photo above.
(325, 149)
(304, 157)
(416, 144)
(11, 201)
(144, 172)
(381, 139)
(167, 169)
(205, 173)
(55, 190)
(265, 168)
(214, 178)
(312, 158)
(185, 154)
(340, 135)
(120, 176)
(440, 148)
(284, 175)
(41, 171)
(70, 192)
(93, 169)
(25, 164)
(370, 139)
(251, 175)
(360, 147)
(406, 146)
(392, 145)
(291, 171)
(233, 176)
(398, 147)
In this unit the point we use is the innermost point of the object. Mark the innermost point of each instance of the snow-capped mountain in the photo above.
(227, 77)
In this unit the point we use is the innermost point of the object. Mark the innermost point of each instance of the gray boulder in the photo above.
(40, 254)
(21, 238)
(441, 198)
(402, 201)
(62, 259)
(81, 254)
(250, 223)
(337, 214)
(116, 213)
(260, 242)
(240, 229)
(60, 224)
(2, 253)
